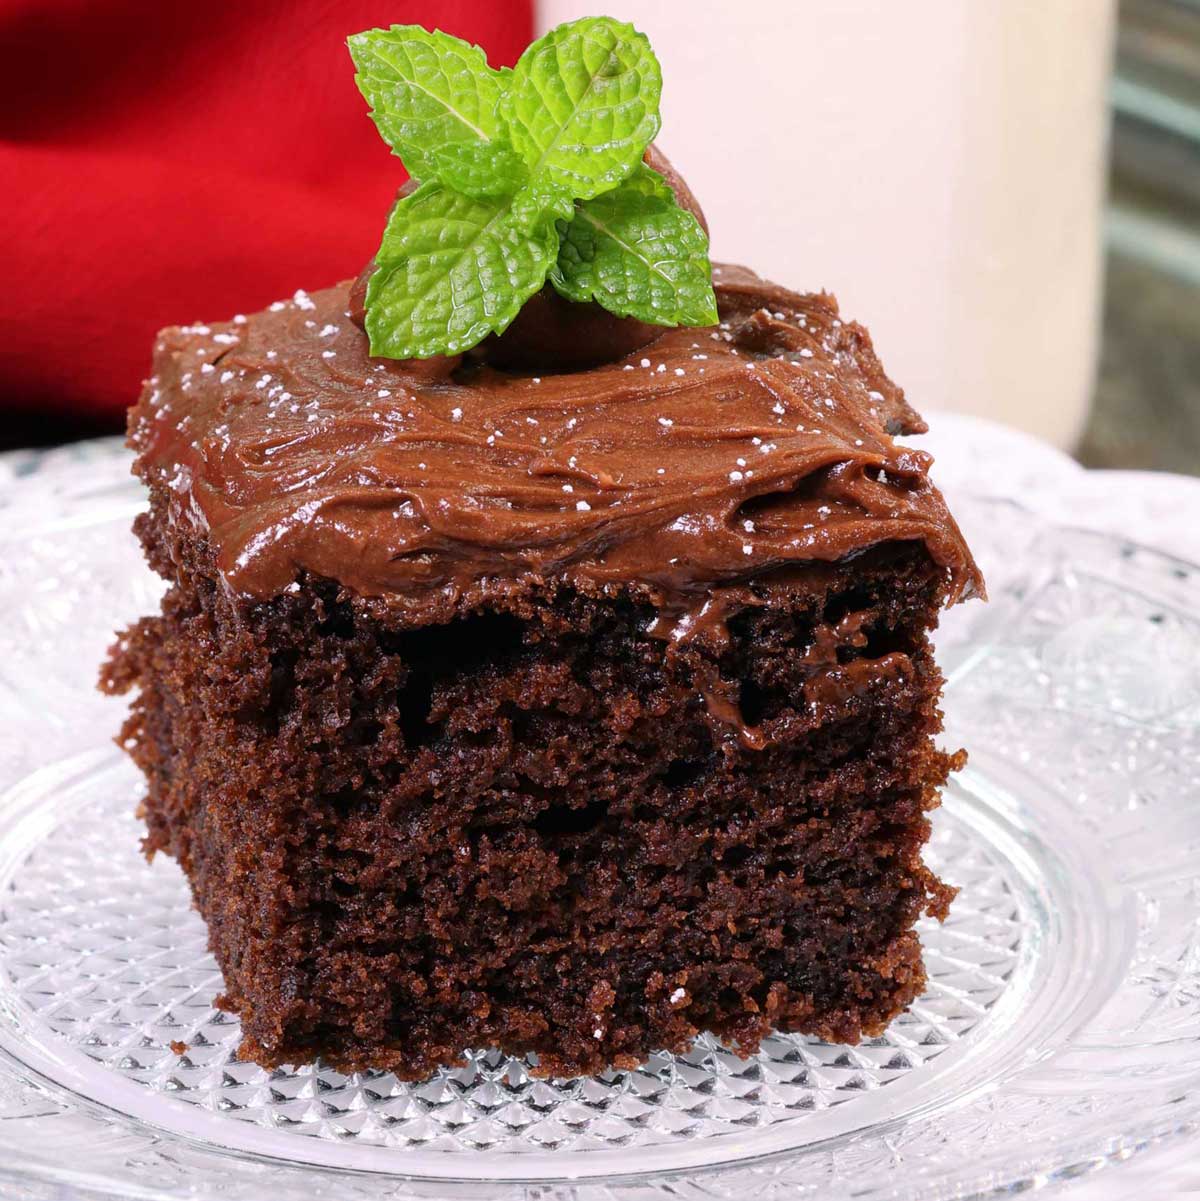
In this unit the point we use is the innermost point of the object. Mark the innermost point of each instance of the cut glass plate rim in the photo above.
(973, 1061)
(1143, 1111)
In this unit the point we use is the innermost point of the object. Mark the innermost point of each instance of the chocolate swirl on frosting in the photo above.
(710, 456)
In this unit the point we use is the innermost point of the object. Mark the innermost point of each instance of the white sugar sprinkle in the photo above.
(327, 330)
(207, 369)
(582, 506)
(666, 421)
(645, 362)
(456, 414)
(747, 549)
(329, 354)
(568, 488)
(678, 370)
(239, 318)
(734, 476)
(677, 996)
(806, 353)
(384, 393)
(226, 376)
(302, 301)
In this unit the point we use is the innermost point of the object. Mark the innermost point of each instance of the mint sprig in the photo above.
(581, 109)
(479, 169)
(427, 91)
(450, 270)
(637, 253)
(527, 174)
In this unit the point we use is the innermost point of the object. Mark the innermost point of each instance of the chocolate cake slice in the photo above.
(571, 714)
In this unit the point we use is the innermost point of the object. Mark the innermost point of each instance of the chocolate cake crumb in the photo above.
(585, 809)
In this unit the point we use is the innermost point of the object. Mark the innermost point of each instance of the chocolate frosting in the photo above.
(709, 457)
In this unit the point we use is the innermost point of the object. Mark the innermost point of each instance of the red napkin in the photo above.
(162, 163)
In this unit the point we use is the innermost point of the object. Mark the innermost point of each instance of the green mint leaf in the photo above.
(580, 108)
(535, 203)
(427, 92)
(637, 253)
(479, 169)
(451, 269)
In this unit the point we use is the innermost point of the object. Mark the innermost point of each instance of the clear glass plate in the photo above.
(1060, 1031)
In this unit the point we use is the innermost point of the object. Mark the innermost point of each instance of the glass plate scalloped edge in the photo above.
(1078, 693)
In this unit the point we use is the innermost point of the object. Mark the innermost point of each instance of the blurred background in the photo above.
(1146, 407)
(1007, 194)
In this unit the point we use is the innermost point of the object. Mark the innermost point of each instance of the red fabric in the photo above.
(164, 162)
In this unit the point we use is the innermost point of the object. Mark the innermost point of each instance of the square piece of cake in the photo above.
(570, 714)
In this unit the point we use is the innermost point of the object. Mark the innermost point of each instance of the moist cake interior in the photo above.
(547, 713)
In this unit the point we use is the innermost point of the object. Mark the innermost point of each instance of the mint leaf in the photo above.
(526, 173)
(637, 253)
(451, 269)
(479, 169)
(580, 108)
(427, 91)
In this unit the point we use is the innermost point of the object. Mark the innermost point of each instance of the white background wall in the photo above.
(938, 164)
